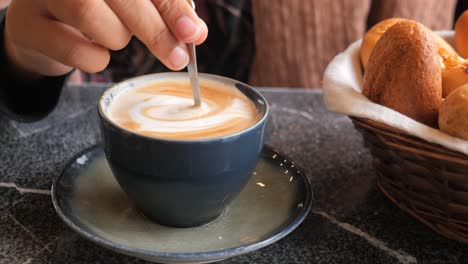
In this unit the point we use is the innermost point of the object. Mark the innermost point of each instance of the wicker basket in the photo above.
(428, 181)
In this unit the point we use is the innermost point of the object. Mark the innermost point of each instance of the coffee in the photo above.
(165, 109)
(182, 183)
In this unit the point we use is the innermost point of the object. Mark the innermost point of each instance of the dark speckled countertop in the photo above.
(350, 222)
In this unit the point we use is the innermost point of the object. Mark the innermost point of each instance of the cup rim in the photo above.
(213, 77)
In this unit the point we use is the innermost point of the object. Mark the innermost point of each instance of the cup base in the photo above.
(204, 223)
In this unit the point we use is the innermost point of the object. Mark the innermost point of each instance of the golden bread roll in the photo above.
(404, 72)
(461, 35)
(373, 35)
(453, 115)
(446, 51)
(454, 76)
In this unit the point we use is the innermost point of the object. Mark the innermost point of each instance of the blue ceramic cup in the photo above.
(181, 183)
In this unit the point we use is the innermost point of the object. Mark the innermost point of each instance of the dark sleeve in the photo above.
(25, 101)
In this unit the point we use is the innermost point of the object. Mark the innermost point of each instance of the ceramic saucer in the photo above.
(275, 201)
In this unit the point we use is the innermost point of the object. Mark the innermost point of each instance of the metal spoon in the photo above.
(193, 70)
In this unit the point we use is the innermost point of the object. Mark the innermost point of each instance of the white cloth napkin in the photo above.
(342, 86)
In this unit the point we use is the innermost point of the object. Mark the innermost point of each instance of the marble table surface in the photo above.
(350, 222)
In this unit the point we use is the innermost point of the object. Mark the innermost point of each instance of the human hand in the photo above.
(50, 37)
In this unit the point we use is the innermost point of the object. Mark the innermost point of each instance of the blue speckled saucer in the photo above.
(275, 201)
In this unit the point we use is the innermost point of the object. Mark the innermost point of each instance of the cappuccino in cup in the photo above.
(182, 164)
(166, 109)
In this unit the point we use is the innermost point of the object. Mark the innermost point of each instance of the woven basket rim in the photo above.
(404, 141)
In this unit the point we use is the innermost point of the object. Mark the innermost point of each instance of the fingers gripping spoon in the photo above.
(192, 69)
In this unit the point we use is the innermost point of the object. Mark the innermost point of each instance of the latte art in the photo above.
(167, 110)
(165, 113)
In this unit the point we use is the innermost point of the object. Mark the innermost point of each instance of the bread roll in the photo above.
(446, 51)
(455, 73)
(455, 70)
(453, 116)
(373, 35)
(461, 35)
(454, 76)
(404, 72)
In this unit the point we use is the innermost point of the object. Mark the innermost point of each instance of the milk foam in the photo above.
(170, 114)
(167, 110)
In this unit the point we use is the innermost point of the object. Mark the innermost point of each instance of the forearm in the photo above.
(24, 97)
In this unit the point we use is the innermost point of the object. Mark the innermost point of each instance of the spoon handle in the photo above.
(193, 73)
(193, 70)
